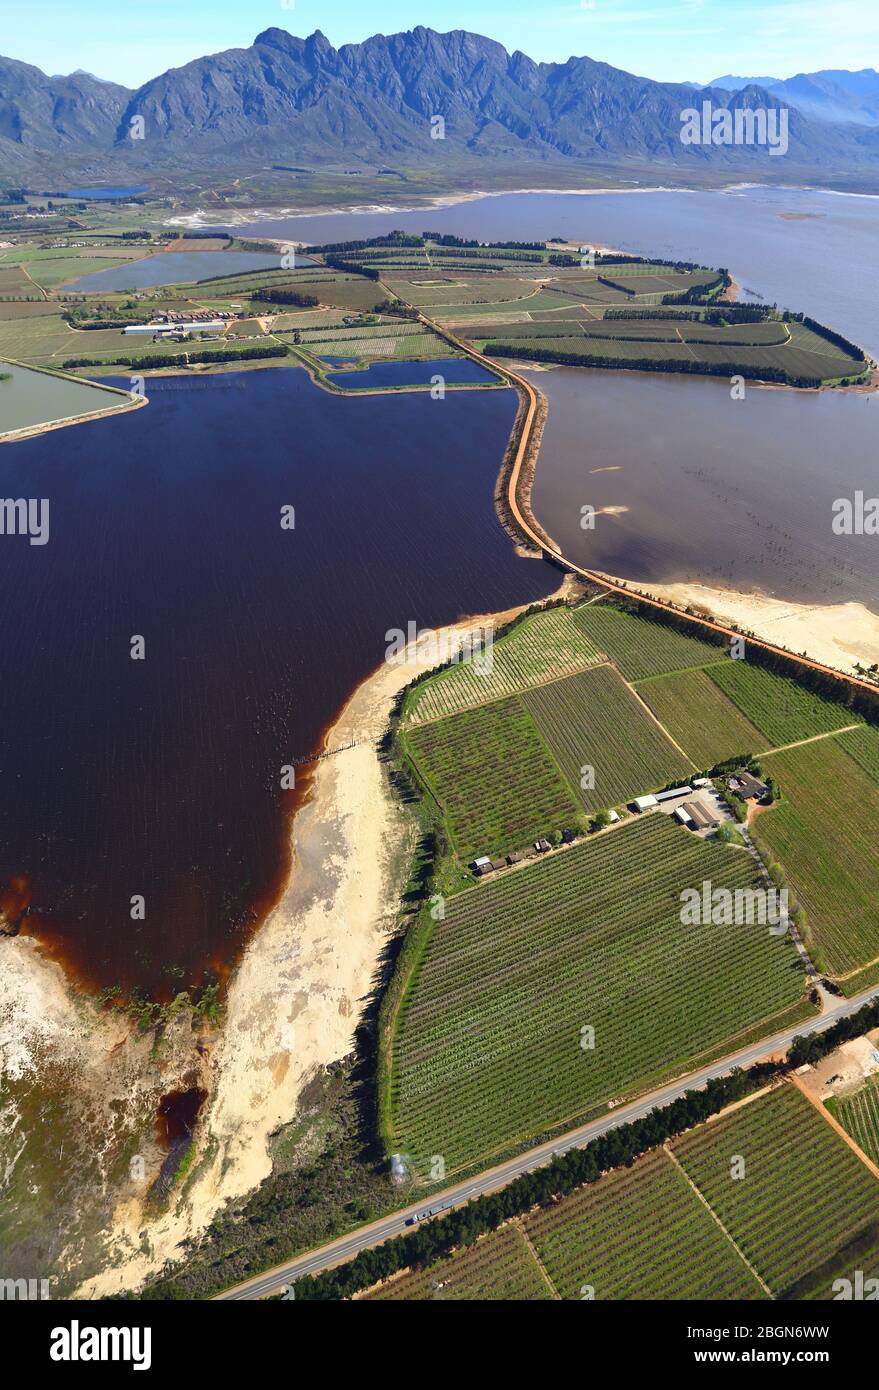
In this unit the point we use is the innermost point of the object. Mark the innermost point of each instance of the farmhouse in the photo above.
(747, 787)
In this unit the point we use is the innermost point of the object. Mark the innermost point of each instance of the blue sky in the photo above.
(670, 40)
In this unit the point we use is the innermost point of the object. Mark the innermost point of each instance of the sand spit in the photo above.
(302, 984)
(839, 635)
(203, 217)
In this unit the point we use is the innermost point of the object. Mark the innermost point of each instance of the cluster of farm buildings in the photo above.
(696, 806)
(174, 325)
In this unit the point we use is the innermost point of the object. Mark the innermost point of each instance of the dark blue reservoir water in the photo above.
(161, 777)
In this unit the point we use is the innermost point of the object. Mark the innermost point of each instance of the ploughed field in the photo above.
(489, 1050)
(802, 1212)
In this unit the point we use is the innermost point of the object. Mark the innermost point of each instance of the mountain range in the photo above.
(830, 95)
(291, 101)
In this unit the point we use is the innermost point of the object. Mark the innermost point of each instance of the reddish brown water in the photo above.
(161, 779)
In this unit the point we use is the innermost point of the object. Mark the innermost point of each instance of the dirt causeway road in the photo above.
(346, 1247)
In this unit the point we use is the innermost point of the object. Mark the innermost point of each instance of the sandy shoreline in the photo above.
(198, 219)
(304, 979)
(837, 635)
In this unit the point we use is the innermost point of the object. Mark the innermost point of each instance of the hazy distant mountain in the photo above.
(289, 100)
(42, 112)
(735, 84)
(830, 95)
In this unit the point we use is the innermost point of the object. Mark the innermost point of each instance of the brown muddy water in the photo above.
(689, 484)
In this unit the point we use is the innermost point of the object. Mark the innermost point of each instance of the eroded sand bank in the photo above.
(304, 979)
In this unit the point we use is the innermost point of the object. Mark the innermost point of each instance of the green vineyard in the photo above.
(542, 648)
(767, 1202)
(780, 708)
(640, 1232)
(593, 722)
(858, 1113)
(500, 1266)
(824, 834)
(641, 648)
(571, 981)
(700, 718)
(802, 1194)
(493, 776)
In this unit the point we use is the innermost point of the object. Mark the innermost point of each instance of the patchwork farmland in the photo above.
(487, 1050)
(544, 647)
(803, 1196)
(782, 710)
(641, 648)
(700, 717)
(594, 724)
(765, 1202)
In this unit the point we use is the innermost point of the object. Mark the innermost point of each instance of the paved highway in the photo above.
(337, 1251)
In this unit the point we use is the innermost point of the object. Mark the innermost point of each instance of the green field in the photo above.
(493, 776)
(642, 648)
(678, 1225)
(700, 717)
(803, 1195)
(500, 1266)
(640, 1232)
(545, 646)
(863, 745)
(488, 1052)
(858, 1113)
(824, 836)
(780, 708)
(592, 720)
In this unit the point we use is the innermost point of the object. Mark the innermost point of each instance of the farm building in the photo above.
(747, 787)
(516, 857)
(644, 803)
(682, 816)
(672, 793)
(162, 330)
(703, 813)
